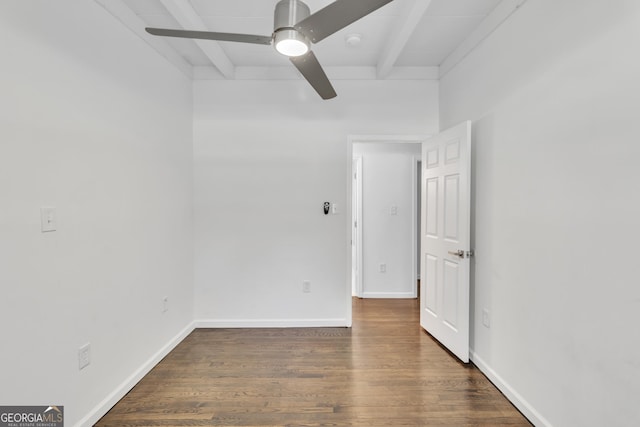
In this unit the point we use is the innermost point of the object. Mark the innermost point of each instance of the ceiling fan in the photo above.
(294, 29)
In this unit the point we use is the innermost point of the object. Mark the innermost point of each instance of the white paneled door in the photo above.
(445, 245)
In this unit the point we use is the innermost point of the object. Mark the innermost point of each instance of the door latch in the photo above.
(461, 254)
(458, 253)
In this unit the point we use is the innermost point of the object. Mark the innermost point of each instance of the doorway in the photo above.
(385, 217)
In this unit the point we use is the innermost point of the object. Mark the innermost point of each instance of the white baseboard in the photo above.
(270, 323)
(514, 397)
(389, 295)
(103, 407)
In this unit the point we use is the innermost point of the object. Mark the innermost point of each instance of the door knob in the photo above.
(462, 254)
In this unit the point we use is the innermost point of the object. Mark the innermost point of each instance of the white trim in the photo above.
(399, 295)
(358, 219)
(271, 323)
(209, 72)
(347, 239)
(510, 393)
(108, 402)
(414, 224)
(386, 138)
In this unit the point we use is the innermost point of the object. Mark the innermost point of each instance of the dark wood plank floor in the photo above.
(385, 371)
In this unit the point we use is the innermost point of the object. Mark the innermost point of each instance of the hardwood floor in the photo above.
(385, 371)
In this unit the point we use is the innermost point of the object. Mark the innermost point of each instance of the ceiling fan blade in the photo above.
(336, 16)
(311, 69)
(208, 35)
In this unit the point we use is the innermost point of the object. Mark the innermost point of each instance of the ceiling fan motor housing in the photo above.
(287, 14)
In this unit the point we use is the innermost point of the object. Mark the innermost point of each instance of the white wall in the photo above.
(267, 155)
(389, 179)
(96, 124)
(554, 95)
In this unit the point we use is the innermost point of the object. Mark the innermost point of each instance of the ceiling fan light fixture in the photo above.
(294, 28)
(291, 43)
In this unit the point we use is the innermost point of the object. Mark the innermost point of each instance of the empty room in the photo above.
(192, 232)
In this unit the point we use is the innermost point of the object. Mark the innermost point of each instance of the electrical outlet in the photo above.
(383, 268)
(84, 356)
(165, 304)
(486, 320)
(306, 286)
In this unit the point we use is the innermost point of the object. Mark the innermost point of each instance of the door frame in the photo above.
(351, 139)
(356, 232)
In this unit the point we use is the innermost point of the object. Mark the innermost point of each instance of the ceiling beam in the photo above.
(187, 17)
(492, 22)
(407, 22)
(130, 20)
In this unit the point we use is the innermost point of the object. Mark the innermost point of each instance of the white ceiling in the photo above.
(405, 37)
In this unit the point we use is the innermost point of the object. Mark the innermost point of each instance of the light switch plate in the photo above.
(48, 219)
(84, 356)
(306, 286)
(486, 319)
